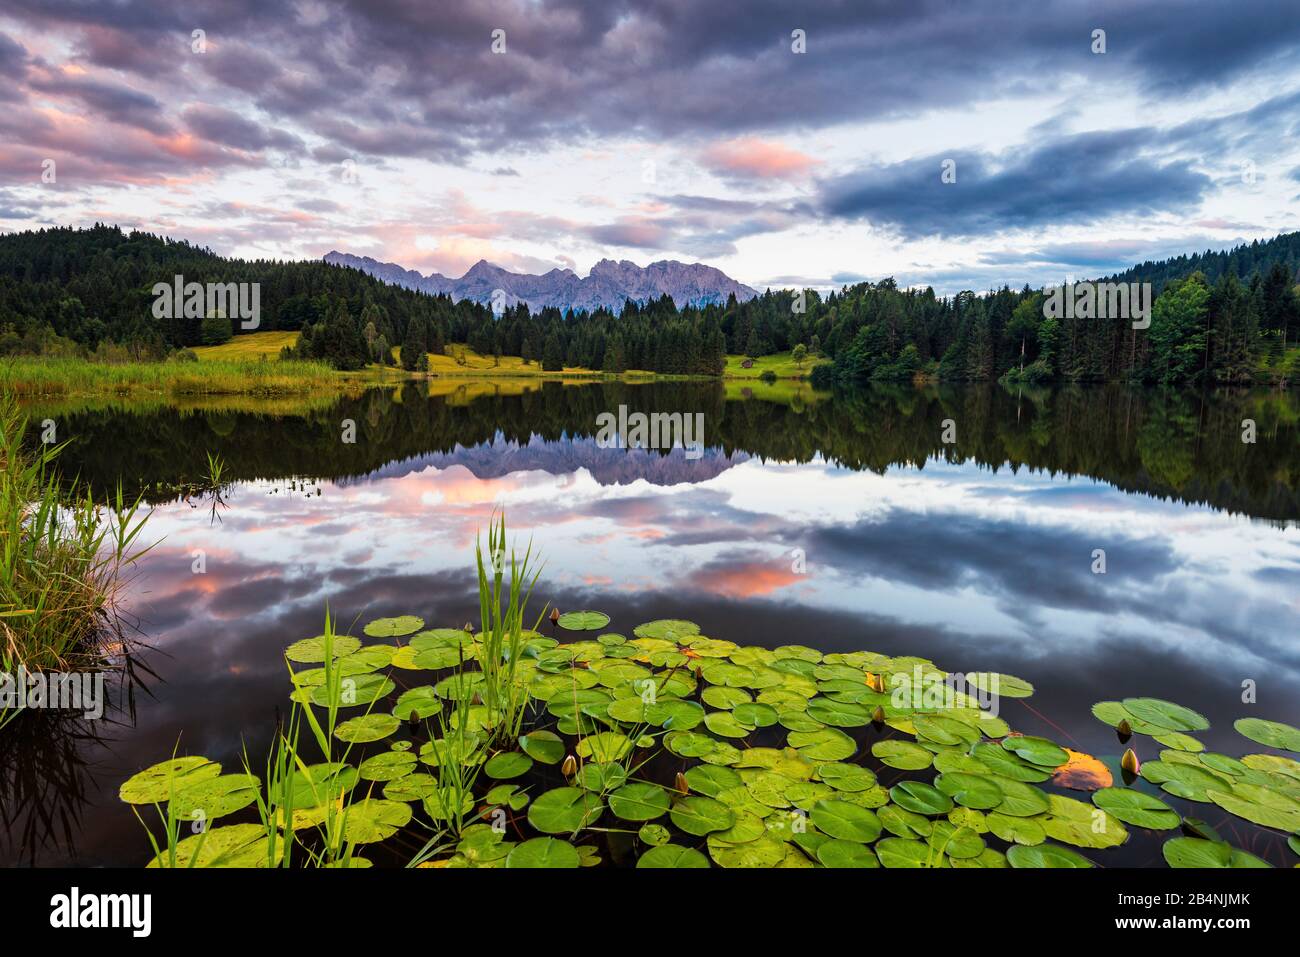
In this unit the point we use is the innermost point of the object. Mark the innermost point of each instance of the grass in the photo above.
(780, 364)
(61, 557)
(252, 346)
(41, 376)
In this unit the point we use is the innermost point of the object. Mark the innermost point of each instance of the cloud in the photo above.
(750, 157)
(1084, 178)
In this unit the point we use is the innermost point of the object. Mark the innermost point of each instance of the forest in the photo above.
(1219, 317)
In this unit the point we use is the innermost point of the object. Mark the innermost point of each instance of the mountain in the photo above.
(608, 284)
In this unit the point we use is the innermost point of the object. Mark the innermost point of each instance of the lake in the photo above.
(840, 521)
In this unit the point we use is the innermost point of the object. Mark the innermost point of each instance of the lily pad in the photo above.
(845, 821)
(394, 627)
(1136, 808)
(546, 852)
(368, 727)
(639, 801)
(1045, 855)
(564, 810)
(506, 765)
(904, 755)
(312, 650)
(155, 785)
(672, 855)
(583, 620)
(702, 815)
(371, 820)
(544, 746)
(1196, 852)
(1274, 734)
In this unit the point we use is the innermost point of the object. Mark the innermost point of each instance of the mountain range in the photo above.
(608, 284)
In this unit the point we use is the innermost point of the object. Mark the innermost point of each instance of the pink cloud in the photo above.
(750, 157)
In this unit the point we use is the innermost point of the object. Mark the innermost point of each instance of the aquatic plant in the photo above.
(62, 554)
(676, 749)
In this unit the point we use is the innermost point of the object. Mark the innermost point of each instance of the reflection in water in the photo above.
(908, 546)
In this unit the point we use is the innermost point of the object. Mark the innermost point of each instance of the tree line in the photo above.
(1231, 317)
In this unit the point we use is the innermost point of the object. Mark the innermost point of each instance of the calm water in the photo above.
(977, 554)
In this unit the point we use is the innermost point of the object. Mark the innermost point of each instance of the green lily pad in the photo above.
(702, 815)
(1004, 686)
(904, 755)
(1165, 714)
(1045, 855)
(838, 853)
(506, 765)
(845, 821)
(211, 798)
(312, 650)
(368, 727)
(546, 852)
(1196, 852)
(672, 855)
(394, 627)
(1039, 751)
(583, 620)
(655, 835)
(827, 744)
(977, 791)
(545, 747)
(155, 785)
(388, 766)
(371, 820)
(1136, 808)
(672, 629)
(1274, 734)
(419, 702)
(235, 845)
(1073, 822)
(901, 852)
(564, 810)
(920, 798)
(639, 801)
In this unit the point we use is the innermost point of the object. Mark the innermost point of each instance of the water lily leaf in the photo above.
(655, 835)
(837, 853)
(1039, 751)
(506, 765)
(1258, 805)
(1275, 734)
(583, 620)
(839, 714)
(724, 723)
(373, 819)
(1006, 764)
(1020, 799)
(1136, 808)
(639, 801)
(235, 845)
(674, 714)
(312, 650)
(755, 715)
(724, 698)
(353, 691)
(709, 780)
(394, 627)
(702, 815)
(904, 755)
(1015, 830)
(956, 842)
(1180, 742)
(970, 790)
(764, 851)
(846, 777)
(368, 727)
(544, 746)
(920, 798)
(1184, 852)
(155, 785)
(900, 852)
(1045, 855)
(845, 821)
(671, 629)
(944, 730)
(605, 746)
(1165, 714)
(672, 855)
(827, 744)
(546, 852)
(903, 823)
(388, 766)
(564, 810)
(211, 798)
(1073, 822)
(1005, 686)
(1183, 780)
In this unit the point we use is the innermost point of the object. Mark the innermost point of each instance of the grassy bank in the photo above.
(41, 376)
(61, 556)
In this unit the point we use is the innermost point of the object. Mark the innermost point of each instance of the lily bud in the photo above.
(878, 716)
(1124, 728)
(555, 615)
(570, 766)
(469, 627)
(681, 784)
(1129, 762)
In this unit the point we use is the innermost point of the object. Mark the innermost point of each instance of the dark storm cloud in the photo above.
(1076, 179)
(664, 68)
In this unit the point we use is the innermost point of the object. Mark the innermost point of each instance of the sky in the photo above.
(787, 144)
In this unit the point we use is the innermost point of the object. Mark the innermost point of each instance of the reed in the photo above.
(62, 555)
(50, 376)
